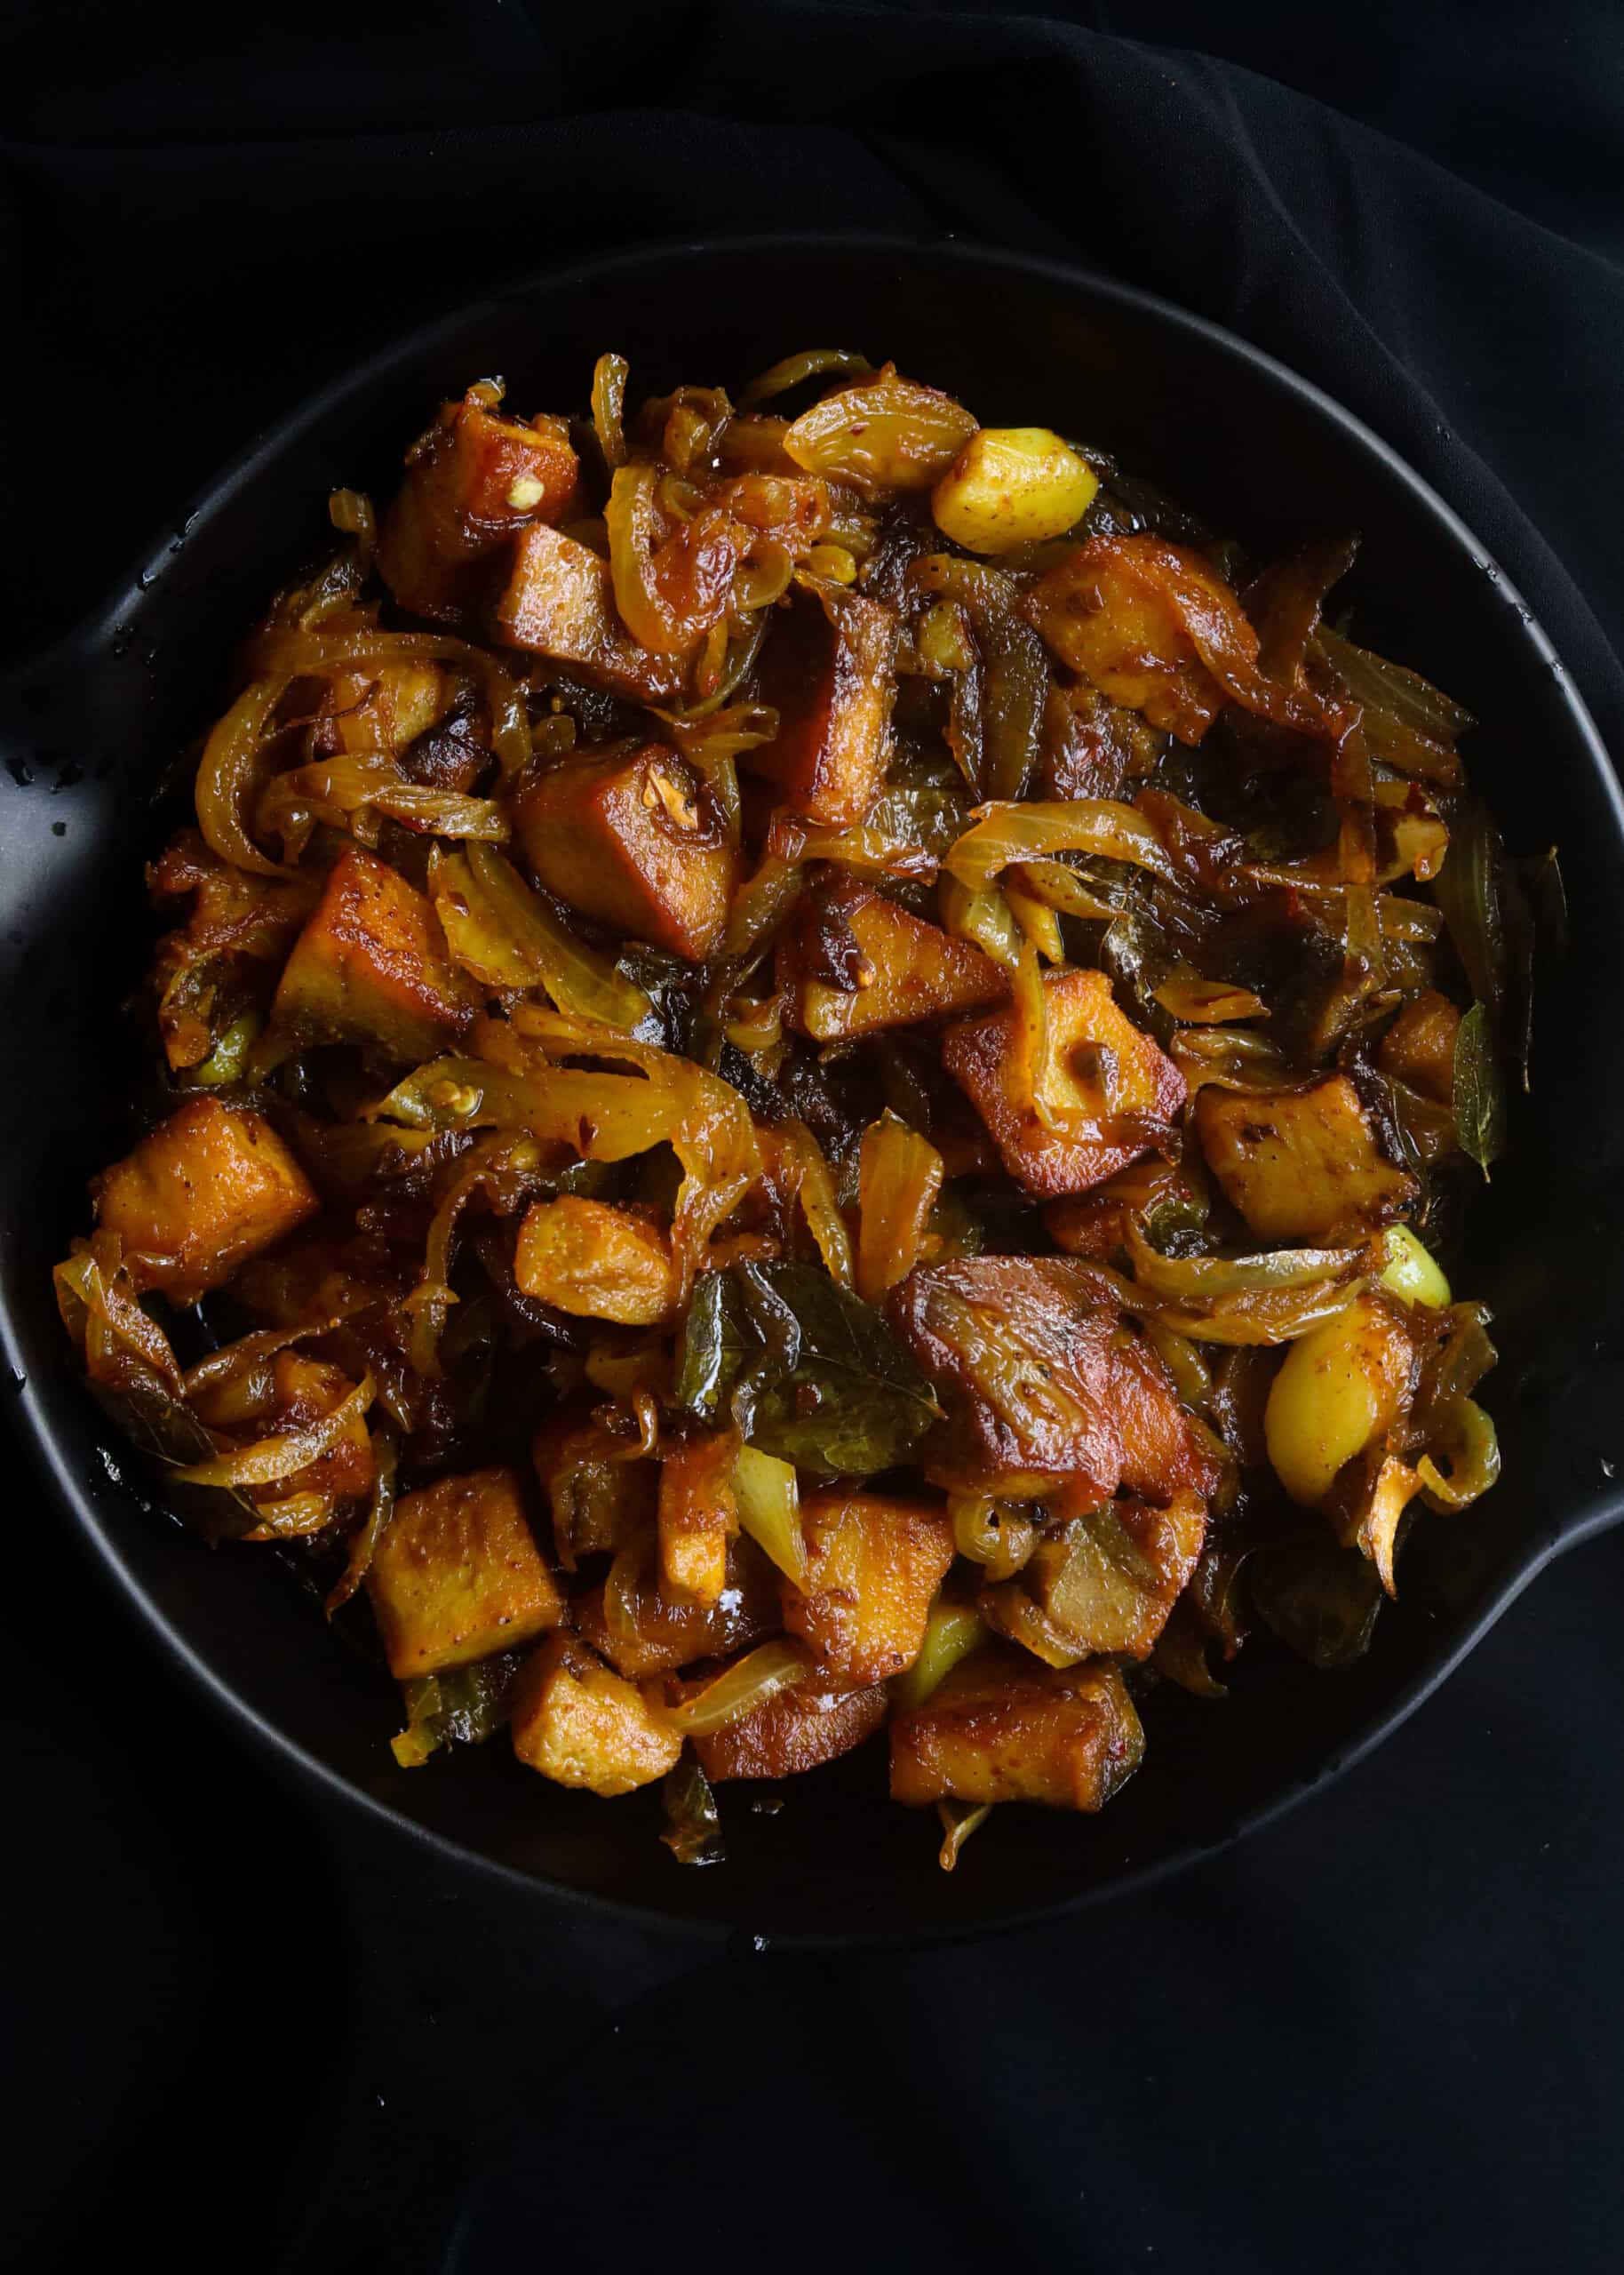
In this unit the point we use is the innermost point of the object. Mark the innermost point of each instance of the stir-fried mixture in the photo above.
(813, 1060)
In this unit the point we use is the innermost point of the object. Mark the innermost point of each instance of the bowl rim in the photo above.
(326, 1786)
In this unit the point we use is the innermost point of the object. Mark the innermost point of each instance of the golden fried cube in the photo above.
(698, 1515)
(829, 671)
(1045, 1385)
(596, 1261)
(1103, 1070)
(637, 841)
(422, 580)
(875, 1563)
(1105, 611)
(559, 602)
(207, 1188)
(799, 1728)
(1023, 1357)
(1165, 1450)
(1001, 1727)
(905, 969)
(457, 1574)
(581, 1724)
(371, 968)
(479, 478)
(1300, 1165)
(471, 482)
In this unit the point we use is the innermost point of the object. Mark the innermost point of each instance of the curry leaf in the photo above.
(1479, 1101)
(1536, 938)
(1542, 880)
(1320, 1599)
(690, 1821)
(714, 1348)
(461, 1706)
(1471, 890)
(811, 1375)
(163, 1427)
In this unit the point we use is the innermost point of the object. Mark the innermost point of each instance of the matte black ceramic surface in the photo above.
(86, 733)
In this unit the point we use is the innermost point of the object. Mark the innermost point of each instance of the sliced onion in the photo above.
(1472, 1449)
(1206, 1276)
(753, 1024)
(765, 577)
(1229, 1058)
(1206, 1002)
(768, 1499)
(88, 1289)
(1400, 918)
(1004, 833)
(1375, 1530)
(742, 648)
(446, 813)
(249, 1351)
(507, 936)
(292, 652)
(958, 1820)
(350, 512)
(899, 1178)
(1265, 1316)
(762, 904)
(272, 1459)
(819, 1202)
(1064, 889)
(373, 1526)
(333, 789)
(1192, 1377)
(432, 1298)
(1408, 724)
(1460, 1366)
(711, 1131)
(702, 736)
(741, 1688)
(631, 517)
(810, 363)
(714, 742)
(296, 1518)
(599, 1117)
(673, 592)
(1272, 1316)
(230, 776)
(1037, 919)
(982, 917)
(868, 850)
(608, 403)
(333, 646)
(886, 433)
(991, 1533)
(1180, 1652)
(997, 708)
(1029, 1044)
(1023, 1622)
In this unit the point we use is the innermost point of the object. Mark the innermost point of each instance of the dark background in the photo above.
(1384, 2032)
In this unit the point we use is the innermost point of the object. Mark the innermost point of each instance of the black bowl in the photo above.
(87, 733)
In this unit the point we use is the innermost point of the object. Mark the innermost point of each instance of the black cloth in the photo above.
(1381, 2032)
